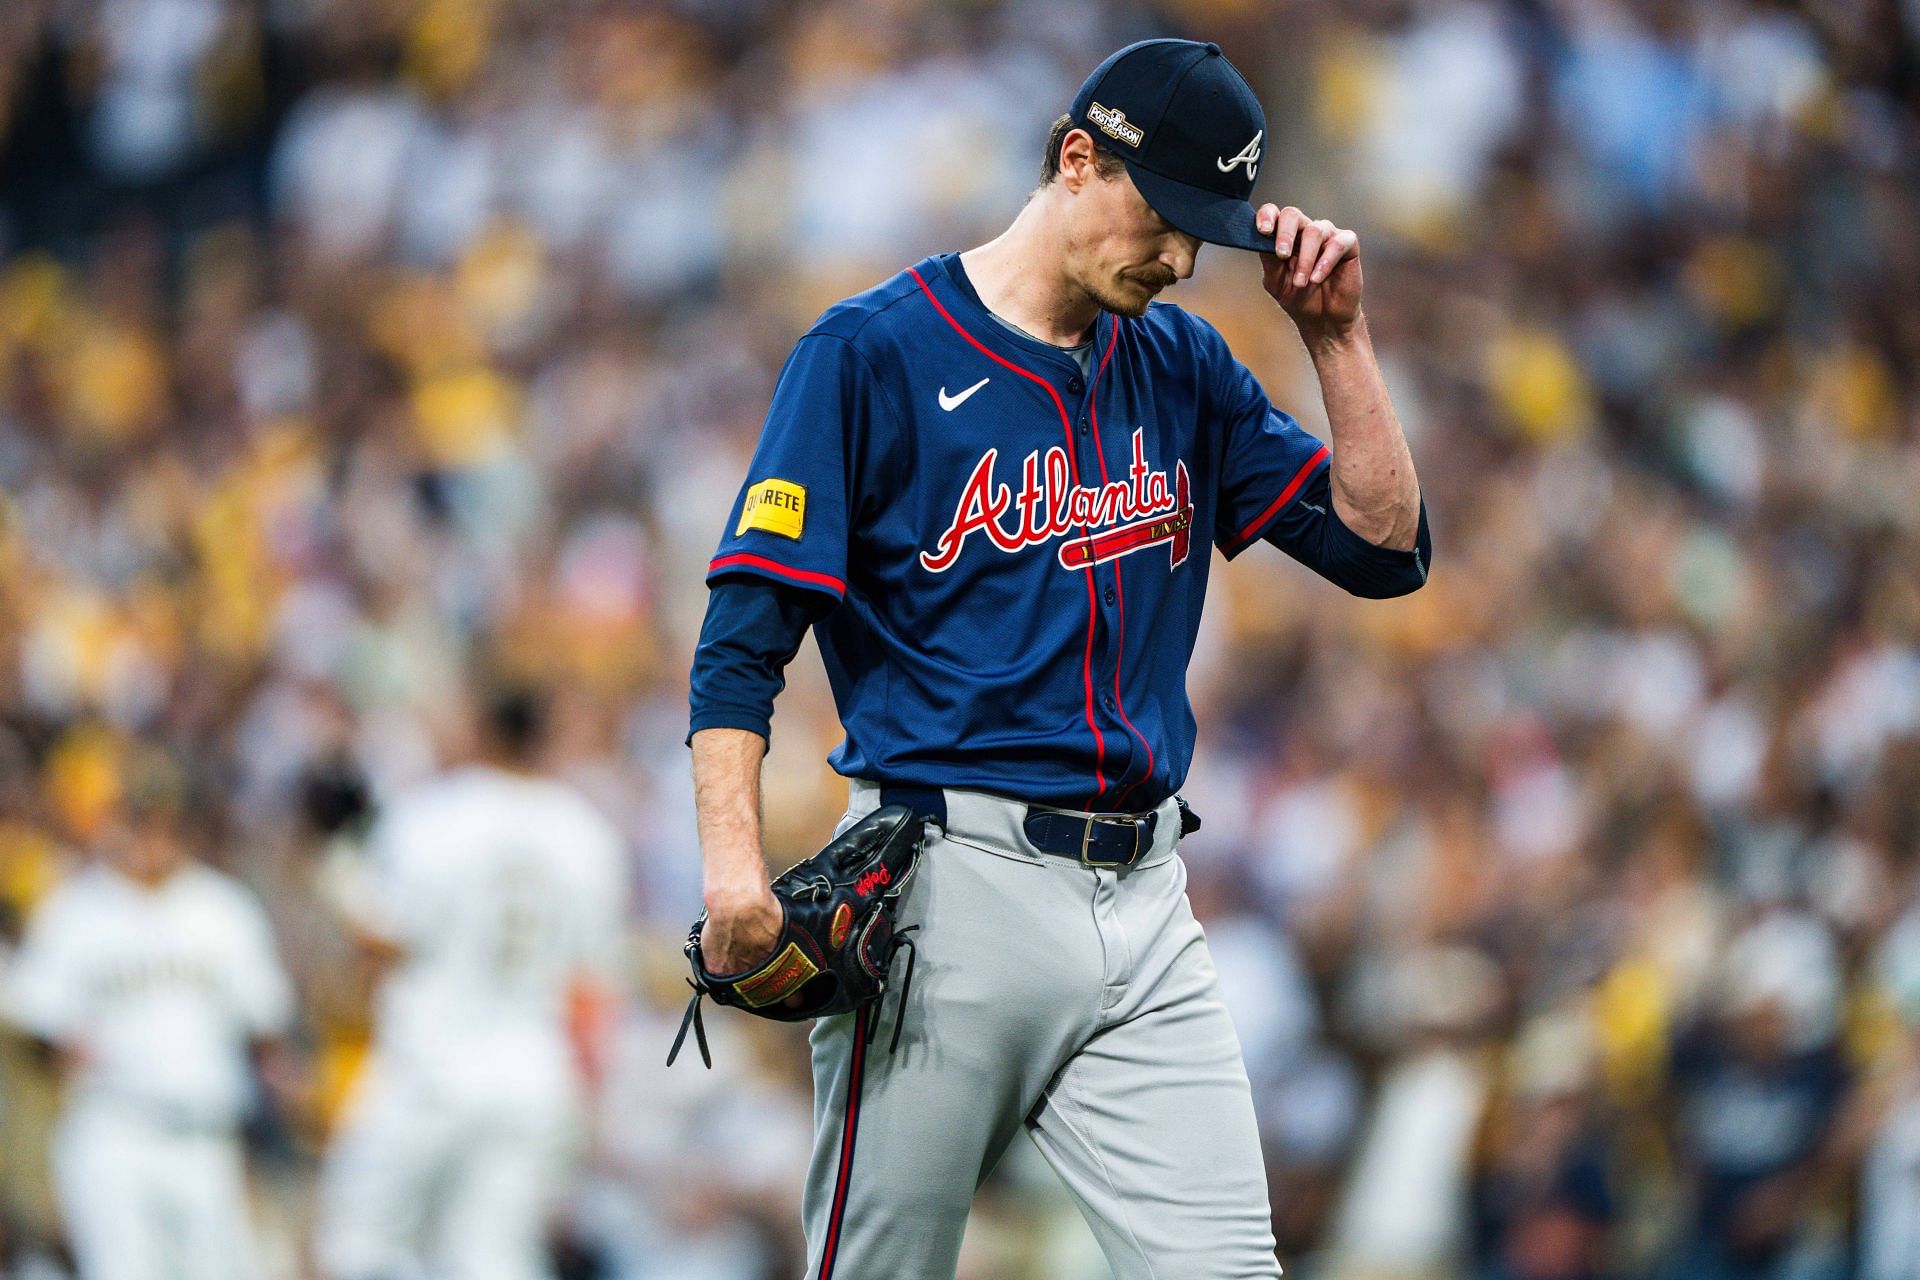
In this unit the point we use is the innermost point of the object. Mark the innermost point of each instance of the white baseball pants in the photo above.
(146, 1200)
(418, 1182)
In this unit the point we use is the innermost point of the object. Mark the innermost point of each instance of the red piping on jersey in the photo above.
(745, 559)
(1119, 583)
(1293, 487)
(1066, 424)
(855, 1071)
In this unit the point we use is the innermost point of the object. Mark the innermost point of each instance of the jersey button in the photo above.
(1075, 385)
(1083, 426)
(1109, 593)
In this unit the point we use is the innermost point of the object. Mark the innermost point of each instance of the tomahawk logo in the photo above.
(1249, 156)
(1141, 511)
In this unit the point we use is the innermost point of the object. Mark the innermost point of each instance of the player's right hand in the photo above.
(740, 930)
(1313, 271)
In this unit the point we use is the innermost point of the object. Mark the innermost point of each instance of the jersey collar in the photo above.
(981, 323)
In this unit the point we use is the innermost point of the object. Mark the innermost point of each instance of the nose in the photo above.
(1179, 256)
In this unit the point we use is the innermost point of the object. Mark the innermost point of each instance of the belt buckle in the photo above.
(1112, 820)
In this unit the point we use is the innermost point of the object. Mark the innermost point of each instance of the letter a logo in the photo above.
(1249, 156)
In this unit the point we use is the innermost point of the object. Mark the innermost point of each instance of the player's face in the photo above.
(147, 849)
(1129, 253)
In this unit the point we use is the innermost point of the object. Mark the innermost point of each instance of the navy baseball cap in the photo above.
(1190, 130)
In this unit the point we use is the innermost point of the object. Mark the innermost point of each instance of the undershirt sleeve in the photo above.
(753, 628)
(1311, 531)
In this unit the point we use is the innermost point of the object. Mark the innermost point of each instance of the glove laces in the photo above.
(691, 1018)
(902, 941)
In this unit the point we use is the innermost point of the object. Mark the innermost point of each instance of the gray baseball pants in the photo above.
(1078, 1001)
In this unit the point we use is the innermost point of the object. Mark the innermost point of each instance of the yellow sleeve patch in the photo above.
(777, 506)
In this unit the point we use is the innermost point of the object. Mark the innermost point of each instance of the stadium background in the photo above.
(1567, 908)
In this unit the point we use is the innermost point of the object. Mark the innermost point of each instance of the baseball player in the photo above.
(496, 895)
(152, 977)
(988, 484)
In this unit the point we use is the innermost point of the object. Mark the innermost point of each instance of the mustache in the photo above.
(1154, 279)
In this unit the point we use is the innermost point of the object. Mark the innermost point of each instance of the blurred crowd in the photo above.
(1569, 909)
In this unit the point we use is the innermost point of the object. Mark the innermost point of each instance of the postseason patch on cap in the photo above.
(1115, 124)
(776, 506)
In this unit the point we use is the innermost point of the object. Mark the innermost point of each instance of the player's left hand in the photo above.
(1313, 271)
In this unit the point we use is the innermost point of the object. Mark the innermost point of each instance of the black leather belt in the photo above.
(1097, 839)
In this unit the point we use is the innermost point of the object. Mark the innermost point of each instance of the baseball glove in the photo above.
(837, 942)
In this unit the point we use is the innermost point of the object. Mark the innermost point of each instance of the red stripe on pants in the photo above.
(847, 1132)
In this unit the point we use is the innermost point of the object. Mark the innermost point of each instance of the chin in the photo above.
(1128, 299)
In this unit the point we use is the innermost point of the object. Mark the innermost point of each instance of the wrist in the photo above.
(1327, 338)
(733, 892)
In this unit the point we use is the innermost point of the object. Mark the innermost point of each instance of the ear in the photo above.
(1077, 166)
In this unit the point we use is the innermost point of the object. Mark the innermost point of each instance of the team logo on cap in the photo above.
(1115, 125)
(1249, 156)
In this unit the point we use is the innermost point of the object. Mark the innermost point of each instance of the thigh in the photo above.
(898, 1149)
(103, 1175)
(1005, 982)
(1151, 1123)
(205, 1205)
(499, 1199)
(378, 1182)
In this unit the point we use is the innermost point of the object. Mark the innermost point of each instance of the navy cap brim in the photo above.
(1214, 218)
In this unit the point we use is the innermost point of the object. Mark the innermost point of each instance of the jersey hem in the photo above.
(746, 562)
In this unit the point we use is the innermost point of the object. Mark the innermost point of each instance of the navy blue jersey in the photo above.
(1011, 545)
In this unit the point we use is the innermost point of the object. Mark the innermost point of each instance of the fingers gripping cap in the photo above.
(1190, 130)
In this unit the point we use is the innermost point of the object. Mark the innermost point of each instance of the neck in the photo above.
(1019, 277)
(508, 762)
(149, 879)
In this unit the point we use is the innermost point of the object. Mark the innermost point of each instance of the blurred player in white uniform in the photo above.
(152, 977)
(498, 895)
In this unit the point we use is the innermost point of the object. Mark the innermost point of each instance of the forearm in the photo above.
(592, 1009)
(726, 796)
(1374, 487)
(752, 630)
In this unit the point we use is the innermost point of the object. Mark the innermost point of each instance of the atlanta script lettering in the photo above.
(1049, 505)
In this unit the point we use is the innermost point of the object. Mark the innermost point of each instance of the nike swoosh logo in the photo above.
(950, 403)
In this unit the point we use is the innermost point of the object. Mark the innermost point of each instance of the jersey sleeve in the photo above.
(1266, 457)
(392, 906)
(262, 992)
(792, 518)
(45, 988)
